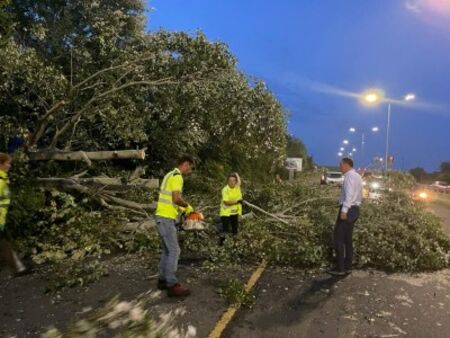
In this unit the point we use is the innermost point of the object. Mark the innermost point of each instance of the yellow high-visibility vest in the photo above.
(231, 194)
(4, 198)
(173, 181)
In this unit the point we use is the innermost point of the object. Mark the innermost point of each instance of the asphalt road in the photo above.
(364, 304)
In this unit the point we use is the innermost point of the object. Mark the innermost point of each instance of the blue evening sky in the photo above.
(309, 52)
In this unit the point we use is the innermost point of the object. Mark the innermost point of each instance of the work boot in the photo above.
(162, 284)
(23, 272)
(178, 291)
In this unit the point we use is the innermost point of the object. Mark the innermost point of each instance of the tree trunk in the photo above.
(87, 155)
(71, 184)
(142, 225)
(150, 183)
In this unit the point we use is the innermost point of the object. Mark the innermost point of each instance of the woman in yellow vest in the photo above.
(5, 243)
(231, 205)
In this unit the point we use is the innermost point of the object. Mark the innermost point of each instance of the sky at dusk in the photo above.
(317, 56)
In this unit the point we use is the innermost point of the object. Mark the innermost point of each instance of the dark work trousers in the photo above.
(9, 254)
(343, 238)
(228, 222)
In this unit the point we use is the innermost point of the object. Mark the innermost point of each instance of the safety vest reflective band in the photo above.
(4, 197)
(165, 196)
(165, 207)
(4, 188)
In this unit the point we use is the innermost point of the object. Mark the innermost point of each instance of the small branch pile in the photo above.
(126, 319)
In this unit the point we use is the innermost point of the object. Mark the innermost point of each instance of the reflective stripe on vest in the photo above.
(164, 195)
(228, 206)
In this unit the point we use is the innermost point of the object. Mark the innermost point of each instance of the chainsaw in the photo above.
(192, 222)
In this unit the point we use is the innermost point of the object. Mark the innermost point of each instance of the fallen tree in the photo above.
(292, 225)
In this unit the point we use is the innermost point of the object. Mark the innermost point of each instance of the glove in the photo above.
(189, 209)
(239, 202)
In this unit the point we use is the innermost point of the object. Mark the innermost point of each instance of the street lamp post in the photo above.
(362, 149)
(376, 96)
(387, 136)
(363, 135)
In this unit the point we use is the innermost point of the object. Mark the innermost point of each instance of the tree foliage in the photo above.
(443, 174)
(86, 75)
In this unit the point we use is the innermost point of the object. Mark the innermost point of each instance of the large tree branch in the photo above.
(90, 155)
(265, 212)
(112, 68)
(167, 80)
(70, 184)
(129, 204)
(42, 125)
(151, 183)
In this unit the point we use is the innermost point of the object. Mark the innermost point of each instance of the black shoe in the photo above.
(335, 272)
(162, 284)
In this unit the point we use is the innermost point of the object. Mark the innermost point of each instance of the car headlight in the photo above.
(423, 195)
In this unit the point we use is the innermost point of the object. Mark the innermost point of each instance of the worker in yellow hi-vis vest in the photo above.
(5, 243)
(170, 204)
(231, 205)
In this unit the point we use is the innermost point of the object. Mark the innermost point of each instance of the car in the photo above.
(334, 177)
(440, 186)
(376, 189)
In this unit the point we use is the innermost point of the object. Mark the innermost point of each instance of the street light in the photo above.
(341, 148)
(372, 96)
(376, 96)
(375, 129)
(340, 154)
(354, 150)
(409, 97)
(352, 130)
(345, 141)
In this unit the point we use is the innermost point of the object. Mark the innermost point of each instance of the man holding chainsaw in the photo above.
(170, 203)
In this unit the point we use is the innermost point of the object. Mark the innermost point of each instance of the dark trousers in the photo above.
(9, 254)
(343, 238)
(228, 222)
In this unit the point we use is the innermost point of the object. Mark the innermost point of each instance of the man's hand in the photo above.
(343, 216)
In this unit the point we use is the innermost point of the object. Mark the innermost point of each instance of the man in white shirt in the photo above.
(349, 203)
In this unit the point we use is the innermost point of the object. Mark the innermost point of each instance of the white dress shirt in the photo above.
(351, 192)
